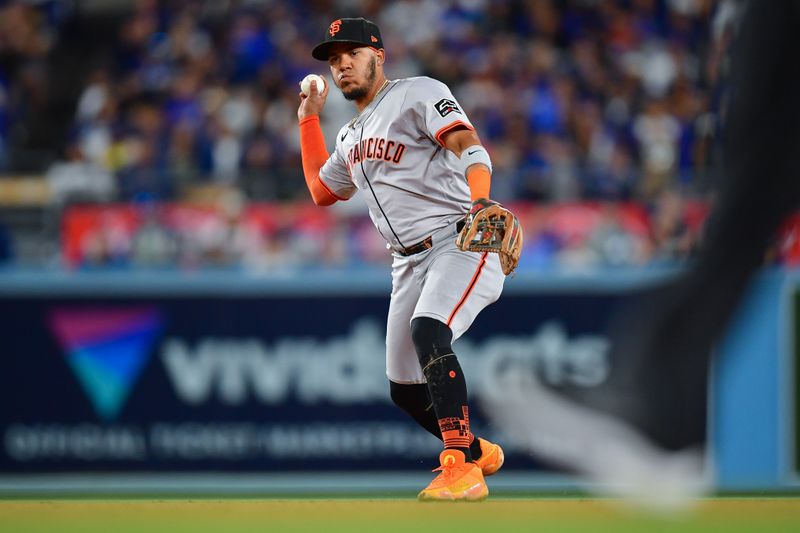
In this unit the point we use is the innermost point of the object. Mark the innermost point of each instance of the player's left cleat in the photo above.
(491, 458)
(458, 480)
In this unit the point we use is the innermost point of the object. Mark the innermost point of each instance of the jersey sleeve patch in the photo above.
(445, 106)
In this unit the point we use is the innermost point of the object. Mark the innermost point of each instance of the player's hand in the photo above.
(490, 227)
(314, 102)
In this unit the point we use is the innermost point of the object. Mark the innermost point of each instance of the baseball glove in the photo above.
(490, 227)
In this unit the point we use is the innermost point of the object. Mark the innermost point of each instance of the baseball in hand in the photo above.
(305, 85)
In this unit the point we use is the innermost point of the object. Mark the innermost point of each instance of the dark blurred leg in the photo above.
(662, 344)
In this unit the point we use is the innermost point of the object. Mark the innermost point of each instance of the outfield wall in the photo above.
(134, 373)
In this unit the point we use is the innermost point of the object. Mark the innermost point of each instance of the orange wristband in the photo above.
(480, 181)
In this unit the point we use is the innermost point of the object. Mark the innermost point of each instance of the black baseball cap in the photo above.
(348, 30)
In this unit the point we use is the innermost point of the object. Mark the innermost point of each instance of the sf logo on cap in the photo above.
(336, 25)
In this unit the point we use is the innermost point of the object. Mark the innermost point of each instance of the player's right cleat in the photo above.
(457, 480)
(491, 458)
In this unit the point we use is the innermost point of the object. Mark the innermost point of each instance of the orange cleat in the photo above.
(457, 480)
(491, 457)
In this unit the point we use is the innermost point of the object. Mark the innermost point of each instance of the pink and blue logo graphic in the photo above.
(107, 349)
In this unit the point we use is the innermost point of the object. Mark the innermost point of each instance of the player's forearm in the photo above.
(479, 179)
(314, 154)
(477, 166)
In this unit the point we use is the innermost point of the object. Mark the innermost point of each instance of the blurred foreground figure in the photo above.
(642, 433)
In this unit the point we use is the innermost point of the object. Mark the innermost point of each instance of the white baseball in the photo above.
(305, 85)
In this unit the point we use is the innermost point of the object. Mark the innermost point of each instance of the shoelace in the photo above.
(447, 472)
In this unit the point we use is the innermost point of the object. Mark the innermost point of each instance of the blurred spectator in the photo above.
(228, 239)
(250, 47)
(614, 245)
(26, 37)
(95, 118)
(657, 133)
(76, 179)
(144, 176)
(153, 244)
(671, 236)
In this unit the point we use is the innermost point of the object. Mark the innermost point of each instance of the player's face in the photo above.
(354, 69)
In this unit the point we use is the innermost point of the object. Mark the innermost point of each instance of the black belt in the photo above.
(425, 243)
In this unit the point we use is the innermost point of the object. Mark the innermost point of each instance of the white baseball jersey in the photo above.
(414, 189)
(393, 152)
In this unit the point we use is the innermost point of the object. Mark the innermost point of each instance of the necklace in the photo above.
(385, 83)
(355, 118)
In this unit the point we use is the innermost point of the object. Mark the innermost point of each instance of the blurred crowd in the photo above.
(576, 100)
(261, 237)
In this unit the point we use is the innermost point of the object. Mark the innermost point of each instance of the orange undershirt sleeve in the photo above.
(314, 155)
(479, 180)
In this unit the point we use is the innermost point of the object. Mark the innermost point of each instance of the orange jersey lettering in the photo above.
(375, 149)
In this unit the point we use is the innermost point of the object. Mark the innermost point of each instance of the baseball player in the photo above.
(416, 156)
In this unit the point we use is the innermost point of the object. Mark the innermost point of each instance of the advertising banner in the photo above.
(168, 381)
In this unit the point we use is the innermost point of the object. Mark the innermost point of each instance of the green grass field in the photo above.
(761, 515)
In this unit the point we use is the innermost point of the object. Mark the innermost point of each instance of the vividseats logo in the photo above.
(107, 349)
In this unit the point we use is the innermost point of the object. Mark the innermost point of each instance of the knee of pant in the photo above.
(432, 338)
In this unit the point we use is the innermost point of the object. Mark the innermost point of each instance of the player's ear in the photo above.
(381, 53)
